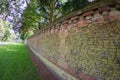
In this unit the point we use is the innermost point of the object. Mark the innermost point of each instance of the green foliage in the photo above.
(3, 6)
(38, 14)
(51, 9)
(30, 21)
(6, 34)
(73, 5)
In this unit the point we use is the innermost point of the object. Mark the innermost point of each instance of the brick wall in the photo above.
(86, 45)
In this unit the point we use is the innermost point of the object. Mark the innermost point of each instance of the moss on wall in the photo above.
(93, 49)
(50, 44)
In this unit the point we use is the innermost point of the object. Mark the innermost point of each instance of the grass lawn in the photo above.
(15, 63)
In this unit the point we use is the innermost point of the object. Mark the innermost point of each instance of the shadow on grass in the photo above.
(15, 63)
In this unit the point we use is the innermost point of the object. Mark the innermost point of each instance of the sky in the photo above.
(90, 0)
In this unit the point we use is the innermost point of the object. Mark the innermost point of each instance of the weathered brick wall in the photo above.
(95, 50)
(86, 45)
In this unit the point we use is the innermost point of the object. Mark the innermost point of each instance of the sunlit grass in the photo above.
(15, 63)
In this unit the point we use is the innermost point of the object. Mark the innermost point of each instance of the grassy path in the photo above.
(15, 63)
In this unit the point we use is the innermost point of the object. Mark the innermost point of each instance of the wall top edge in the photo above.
(90, 7)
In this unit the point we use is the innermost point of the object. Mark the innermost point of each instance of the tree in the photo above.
(4, 4)
(50, 10)
(72, 5)
(38, 13)
(43, 12)
(31, 20)
(6, 33)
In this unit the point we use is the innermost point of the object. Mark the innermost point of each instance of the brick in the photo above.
(88, 13)
(118, 6)
(89, 21)
(64, 22)
(91, 47)
(74, 18)
(114, 16)
(84, 22)
(106, 17)
(89, 78)
(102, 9)
(75, 25)
(79, 23)
(74, 21)
(82, 76)
(100, 19)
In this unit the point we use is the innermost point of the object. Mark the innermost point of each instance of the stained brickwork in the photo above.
(87, 45)
(95, 50)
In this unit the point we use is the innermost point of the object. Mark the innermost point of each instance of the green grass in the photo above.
(15, 63)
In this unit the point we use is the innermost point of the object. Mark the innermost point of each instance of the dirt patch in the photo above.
(42, 69)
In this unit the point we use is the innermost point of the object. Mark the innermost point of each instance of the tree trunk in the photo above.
(52, 11)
